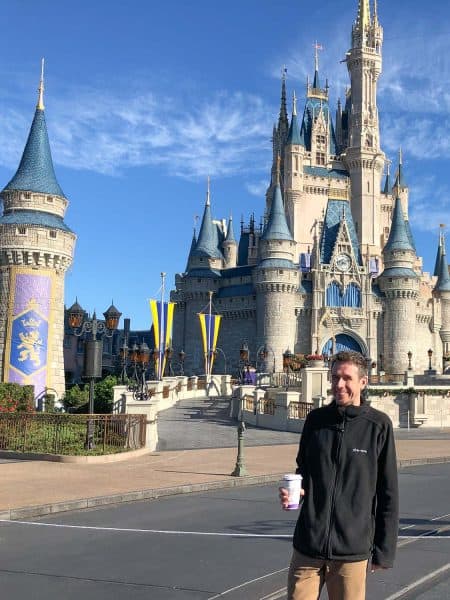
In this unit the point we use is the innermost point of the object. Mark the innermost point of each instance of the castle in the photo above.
(36, 249)
(333, 265)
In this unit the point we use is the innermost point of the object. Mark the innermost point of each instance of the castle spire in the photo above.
(399, 236)
(277, 227)
(207, 239)
(36, 172)
(443, 282)
(40, 102)
(316, 82)
(363, 17)
(294, 135)
(437, 264)
(208, 193)
(387, 183)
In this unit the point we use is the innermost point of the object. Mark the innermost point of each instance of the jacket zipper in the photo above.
(341, 431)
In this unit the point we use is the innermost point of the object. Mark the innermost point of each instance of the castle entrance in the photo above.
(342, 342)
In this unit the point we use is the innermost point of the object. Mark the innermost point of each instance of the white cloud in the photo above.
(224, 134)
(257, 188)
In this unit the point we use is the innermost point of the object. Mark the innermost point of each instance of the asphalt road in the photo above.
(230, 544)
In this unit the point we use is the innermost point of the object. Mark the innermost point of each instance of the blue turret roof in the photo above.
(387, 184)
(37, 218)
(294, 135)
(400, 234)
(443, 282)
(192, 248)
(207, 243)
(336, 210)
(277, 227)
(437, 264)
(36, 172)
(230, 233)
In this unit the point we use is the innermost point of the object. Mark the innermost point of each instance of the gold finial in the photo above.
(283, 73)
(208, 193)
(400, 156)
(294, 104)
(40, 102)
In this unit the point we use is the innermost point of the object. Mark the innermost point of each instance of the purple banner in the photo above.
(28, 347)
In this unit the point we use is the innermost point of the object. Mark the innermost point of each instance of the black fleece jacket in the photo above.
(348, 463)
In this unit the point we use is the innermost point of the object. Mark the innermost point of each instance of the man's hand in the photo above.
(284, 497)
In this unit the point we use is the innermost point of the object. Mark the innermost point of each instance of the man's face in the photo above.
(346, 384)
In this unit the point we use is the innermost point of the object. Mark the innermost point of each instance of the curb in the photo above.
(70, 458)
(41, 510)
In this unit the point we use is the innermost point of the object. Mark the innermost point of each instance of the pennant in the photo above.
(209, 325)
(162, 317)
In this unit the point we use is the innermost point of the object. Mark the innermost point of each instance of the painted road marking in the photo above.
(246, 583)
(401, 593)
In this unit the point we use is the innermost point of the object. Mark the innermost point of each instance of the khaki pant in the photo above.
(344, 580)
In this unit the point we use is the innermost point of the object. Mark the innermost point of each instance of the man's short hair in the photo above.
(349, 356)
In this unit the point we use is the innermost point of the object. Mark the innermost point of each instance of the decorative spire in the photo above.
(35, 172)
(316, 83)
(437, 264)
(277, 227)
(208, 193)
(207, 239)
(230, 233)
(40, 102)
(363, 18)
(400, 181)
(277, 171)
(283, 121)
(375, 12)
(399, 236)
(387, 183)
(443, 282)
(294, 135)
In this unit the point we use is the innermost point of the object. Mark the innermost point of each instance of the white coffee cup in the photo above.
(293, 483)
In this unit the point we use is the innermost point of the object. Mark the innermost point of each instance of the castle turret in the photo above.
(276, 282)
(206, 254)
(400, 285)
(280, 134)
(230, 247)
(36, 249)
(363, 155)
(293, 166)
(400, 187)
(442, 292)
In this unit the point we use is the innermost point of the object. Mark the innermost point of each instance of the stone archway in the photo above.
(344, 341)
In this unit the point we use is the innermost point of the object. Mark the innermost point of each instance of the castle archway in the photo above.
(344, 342)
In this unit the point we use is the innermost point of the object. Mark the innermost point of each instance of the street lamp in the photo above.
(244, 357)
(182, 357)
(287, 363)
(140, 358)
(263, 353)
(93, 348)
(224, 357)
(409, 360)
(168, 354)
(430, 354)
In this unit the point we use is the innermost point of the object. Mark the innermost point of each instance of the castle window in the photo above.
(27, 195)
(351, 297)
(50, 199)
(52, 233)
(321, 139)
(320, 158)
(21, 230)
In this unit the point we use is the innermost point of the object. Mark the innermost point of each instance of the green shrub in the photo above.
(16, 398)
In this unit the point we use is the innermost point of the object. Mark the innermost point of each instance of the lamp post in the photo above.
(430, 354)
(244, 357)
(409, 360)
(182, 357)
(93, 349)
(224, 357)
(168, 354)
(140, 359)
(287, 362)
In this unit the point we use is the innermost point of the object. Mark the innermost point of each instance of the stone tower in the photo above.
(400, 285)
(36, 249)
(230, 247)
(363, 155)
(442, 293)
(276, 282)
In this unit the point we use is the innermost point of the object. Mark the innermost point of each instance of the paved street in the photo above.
(232, 544)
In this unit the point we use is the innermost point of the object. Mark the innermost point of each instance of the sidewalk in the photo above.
(33, 488)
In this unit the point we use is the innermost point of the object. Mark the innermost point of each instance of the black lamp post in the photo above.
(244, 357)
(140, 359)
(430, 354)
(287, 362)
(93, 349)
(409, 360)
(182, 357)
(168, 354)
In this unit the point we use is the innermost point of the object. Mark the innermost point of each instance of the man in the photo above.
(350, 491)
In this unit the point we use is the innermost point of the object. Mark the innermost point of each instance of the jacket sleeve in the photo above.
(386, 514)
(301, 455)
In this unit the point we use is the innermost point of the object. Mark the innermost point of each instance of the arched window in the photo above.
(334, 295)
(342, 343)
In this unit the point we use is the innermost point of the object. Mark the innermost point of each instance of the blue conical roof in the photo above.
(294, 135)
(191, 249)
(230, 233)
(437, 264)
(36, 172)
(316, 82)
(277, 227)
(207, 238)
(387, 184)
(399, 236)
(443, 282)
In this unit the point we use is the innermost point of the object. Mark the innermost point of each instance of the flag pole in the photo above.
(161, 331)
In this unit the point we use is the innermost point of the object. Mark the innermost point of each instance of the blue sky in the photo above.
(145, 99)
